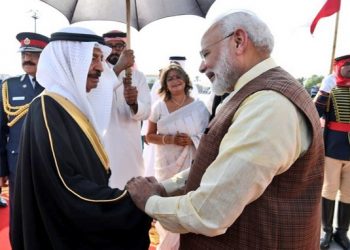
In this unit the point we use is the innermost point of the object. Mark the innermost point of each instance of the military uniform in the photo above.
(3, 202)
(15, 97)
(335, 108)
(17, 93)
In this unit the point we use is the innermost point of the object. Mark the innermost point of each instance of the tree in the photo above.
(312, 81)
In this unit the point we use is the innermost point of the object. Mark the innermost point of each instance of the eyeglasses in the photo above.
(203, 53)
(117, 46)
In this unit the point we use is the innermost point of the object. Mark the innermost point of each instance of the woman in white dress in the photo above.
(175, 126)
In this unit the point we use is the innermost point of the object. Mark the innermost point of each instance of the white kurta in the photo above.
(123, 137)
(148, 149)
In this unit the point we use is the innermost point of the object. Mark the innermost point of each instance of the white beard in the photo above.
(224, 76)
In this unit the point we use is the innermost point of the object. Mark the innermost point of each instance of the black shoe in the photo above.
(3, 202)
(326, 240)
(340, 236)
(342, 239)
(327, 221)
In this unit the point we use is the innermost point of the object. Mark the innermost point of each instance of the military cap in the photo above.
(32, 42)
(342, 58)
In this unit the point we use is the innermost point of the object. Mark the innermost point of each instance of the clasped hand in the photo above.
(141, 188)
(182, 139)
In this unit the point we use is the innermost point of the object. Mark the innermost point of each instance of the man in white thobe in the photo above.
(131, 105)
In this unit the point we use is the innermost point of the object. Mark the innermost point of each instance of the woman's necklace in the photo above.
(179, 104)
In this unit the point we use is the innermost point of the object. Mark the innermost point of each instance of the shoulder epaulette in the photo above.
(17, 111)
(12, 77)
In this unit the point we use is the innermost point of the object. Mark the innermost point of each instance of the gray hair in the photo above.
(258, 32)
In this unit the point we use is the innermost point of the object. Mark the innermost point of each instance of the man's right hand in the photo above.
(141, 188)
(126, 60)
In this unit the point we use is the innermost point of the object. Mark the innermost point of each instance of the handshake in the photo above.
(141, 188)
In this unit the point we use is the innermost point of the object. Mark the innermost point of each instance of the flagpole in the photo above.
(334, 41)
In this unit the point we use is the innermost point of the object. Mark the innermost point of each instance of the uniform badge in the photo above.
(26, 41)
(18, 98)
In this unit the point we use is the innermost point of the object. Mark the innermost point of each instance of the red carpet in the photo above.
(4, 228)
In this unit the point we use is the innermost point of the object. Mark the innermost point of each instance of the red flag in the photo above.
(328, 9)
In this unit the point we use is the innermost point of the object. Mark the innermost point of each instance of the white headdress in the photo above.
(63, 68)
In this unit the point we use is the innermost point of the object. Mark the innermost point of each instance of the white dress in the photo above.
(170, 159)
(123, 136)
(148, 150)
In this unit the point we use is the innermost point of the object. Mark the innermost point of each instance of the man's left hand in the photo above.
(130, 94)
(126, 60)
(140, 189)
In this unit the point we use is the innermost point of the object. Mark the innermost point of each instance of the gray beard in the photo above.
(113, 60)
(224, 76)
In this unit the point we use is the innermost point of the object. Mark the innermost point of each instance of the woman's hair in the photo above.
(164, 91)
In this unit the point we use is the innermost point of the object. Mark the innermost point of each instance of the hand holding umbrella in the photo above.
(130, 94)
(126, 60)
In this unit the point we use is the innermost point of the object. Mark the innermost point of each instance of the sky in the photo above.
(296, 50)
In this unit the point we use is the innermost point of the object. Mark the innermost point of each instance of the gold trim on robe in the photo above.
(87, 129)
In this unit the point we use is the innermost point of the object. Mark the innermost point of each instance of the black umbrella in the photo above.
(142, 12)
(135, 13)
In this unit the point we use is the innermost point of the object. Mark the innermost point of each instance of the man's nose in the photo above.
(202, 67)
(99, 66)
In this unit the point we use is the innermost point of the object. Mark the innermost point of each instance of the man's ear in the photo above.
(240, 40)
(239, 37)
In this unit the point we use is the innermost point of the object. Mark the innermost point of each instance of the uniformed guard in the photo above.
(16, 94)
(3, 202)
(335, 108)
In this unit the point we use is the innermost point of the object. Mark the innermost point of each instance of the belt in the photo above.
(339, 126)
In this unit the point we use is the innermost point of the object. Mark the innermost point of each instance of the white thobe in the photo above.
(123, 137)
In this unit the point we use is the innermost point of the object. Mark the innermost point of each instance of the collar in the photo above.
(31, 80)
(254, 72)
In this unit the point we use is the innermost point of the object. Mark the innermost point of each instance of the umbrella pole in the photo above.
(128, 40)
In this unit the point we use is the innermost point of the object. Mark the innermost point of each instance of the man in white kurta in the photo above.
(123, 137)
